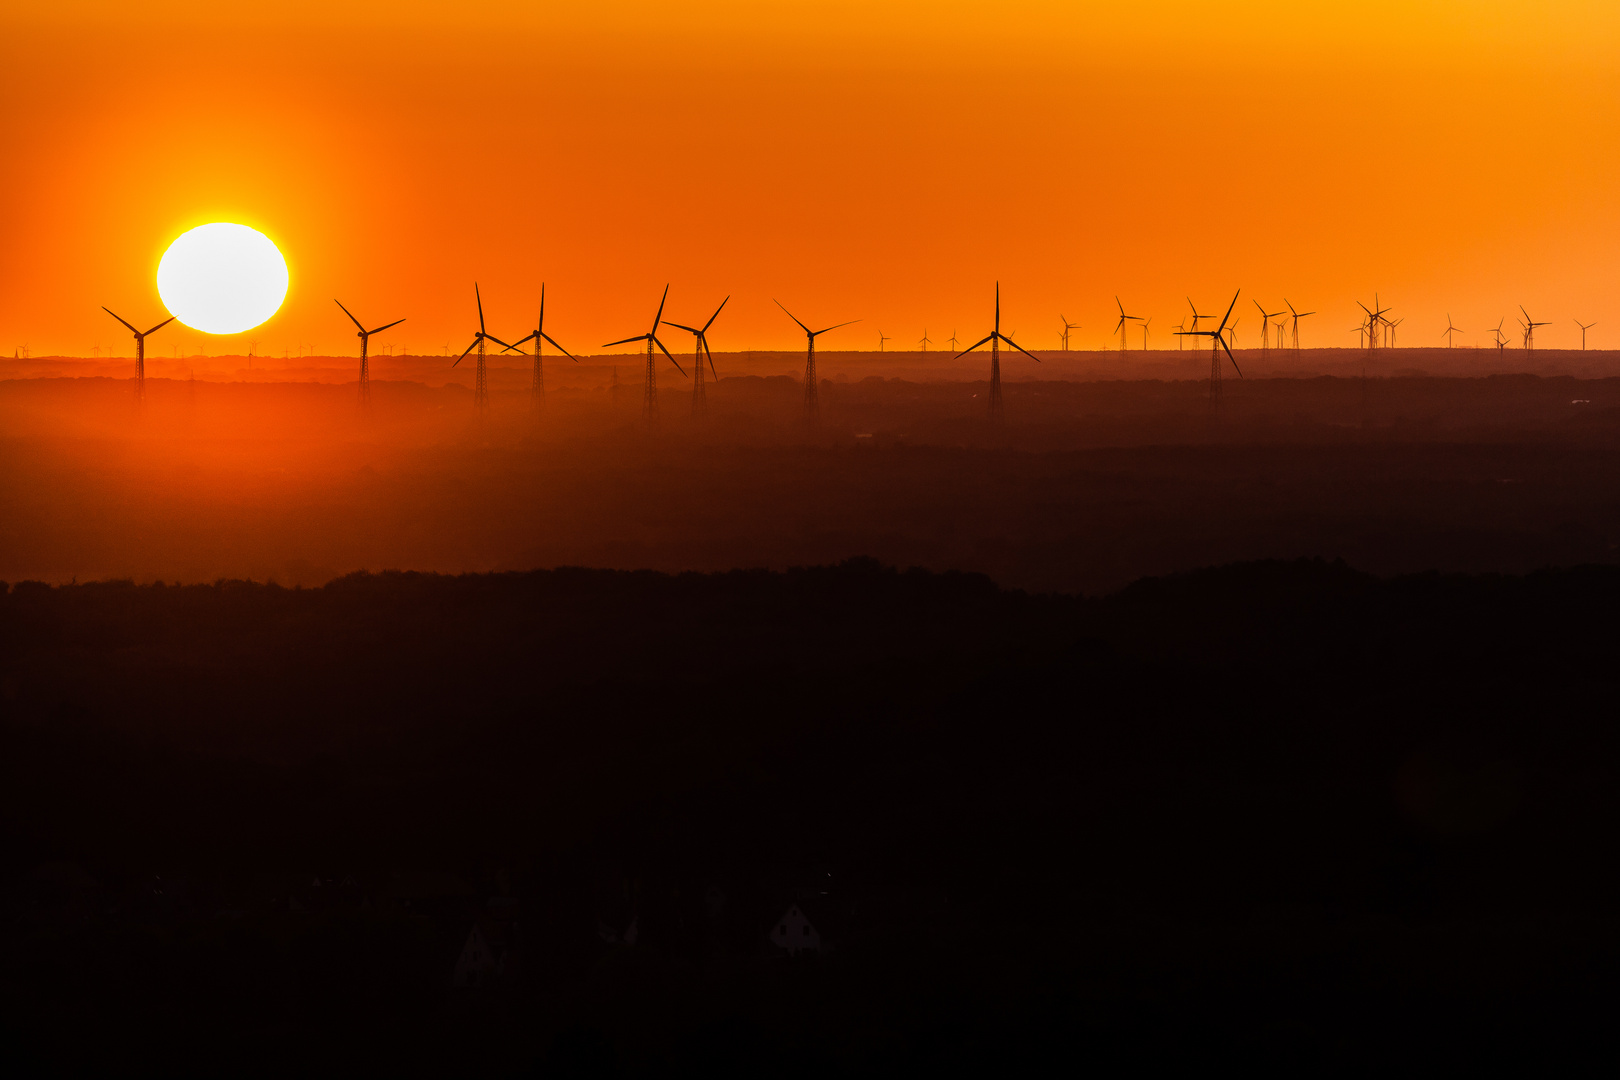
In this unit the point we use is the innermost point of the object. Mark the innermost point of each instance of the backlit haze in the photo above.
(885, 162)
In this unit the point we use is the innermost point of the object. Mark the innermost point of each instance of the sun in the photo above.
(222, 278)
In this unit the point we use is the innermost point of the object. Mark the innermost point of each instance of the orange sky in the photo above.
(855, 160)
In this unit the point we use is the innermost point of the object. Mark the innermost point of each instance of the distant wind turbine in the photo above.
(1450, 330)
(480, 380)
(882, 337)
(1296, 316)
(537, 384)
(140, 350)
(1584, 328)
(365, 342)
(995, 339)
(925, 340)
(1119, 328)
(700, 401)
(649, 400)
(1067, 327)
(812, 396)
(1529, 325)
(1218, 345)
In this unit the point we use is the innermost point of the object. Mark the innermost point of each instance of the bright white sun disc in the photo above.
(222, 278)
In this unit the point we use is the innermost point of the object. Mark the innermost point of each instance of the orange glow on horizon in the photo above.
(881, 162)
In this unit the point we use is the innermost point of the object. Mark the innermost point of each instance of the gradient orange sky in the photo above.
(878, 161)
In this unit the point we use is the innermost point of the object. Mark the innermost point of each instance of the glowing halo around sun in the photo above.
(222, 278)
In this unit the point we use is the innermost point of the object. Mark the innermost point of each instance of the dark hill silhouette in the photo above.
(1282, 812)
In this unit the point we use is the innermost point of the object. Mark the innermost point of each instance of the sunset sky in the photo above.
(886, 162)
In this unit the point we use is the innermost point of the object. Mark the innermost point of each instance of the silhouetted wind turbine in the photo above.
(995, 339)
(700, 402)
(537, 385)
(1296, 315)
(1450, 330)
(365, 343)
(1530, 330)
(649, 404)
(1145, 324)
(1195, 315)
(925, 340)
(140, 350)
(1265, 327)
(812, 396)
(1584, 328)
(882, 337)
(480, 380)
(952, 340)
(1067, 326)
(1119, 328)
(1374, 319)
(1178, 328)
(1218, 344)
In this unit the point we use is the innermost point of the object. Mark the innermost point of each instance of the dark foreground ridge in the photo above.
(557, 823)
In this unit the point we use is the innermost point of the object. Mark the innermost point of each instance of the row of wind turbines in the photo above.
(1377, 330)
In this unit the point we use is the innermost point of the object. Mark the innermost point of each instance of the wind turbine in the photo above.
(1067, 326)
(882, 337)
(1218, 345)
(537, 387)
(812, 398)
(1195, 315)
(952, 340)
(925, 340)
(649, 404)
(700, 402)
(140, 350)
(480, 382)
(1374, 319)
(1265, 327)
(1450, 330)
(1179, 327)
(1530, 330)
(1146, 323)
(995, 339)
(1119, 328)
(1297, 315)
(1584, 328)
(365, 343)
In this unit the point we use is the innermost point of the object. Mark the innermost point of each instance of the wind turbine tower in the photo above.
(995, 339)
(1265, 328)
(1529, 330)
(649, 400)
(1119, 328)
(700, 401)
(1584, 328)
(1218, 345)
(481, 380)
(365, 343)
(1451, 330)
(812, 396)
(1296, 316)
(537, 385)
(140, 350)
(1067, 327)
(925, 341)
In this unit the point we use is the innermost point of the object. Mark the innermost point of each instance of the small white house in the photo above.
(793, 932)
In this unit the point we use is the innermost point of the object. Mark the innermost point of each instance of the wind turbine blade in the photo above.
(790, 314)
(851, 322)
(678, 326)
(109, 311)
(1019, 347)
(541, 325)
(659, 317)
(970, 348)
(496, 340)
(380, 329)
(480, 298)
(672, 359)
(350, 314)
(628, 340)
(705, 342)
(558, 347)
(159, 326)
(465, 351)
(522, 340)
(716, 314)
(1229, 308)
(1229, 355)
